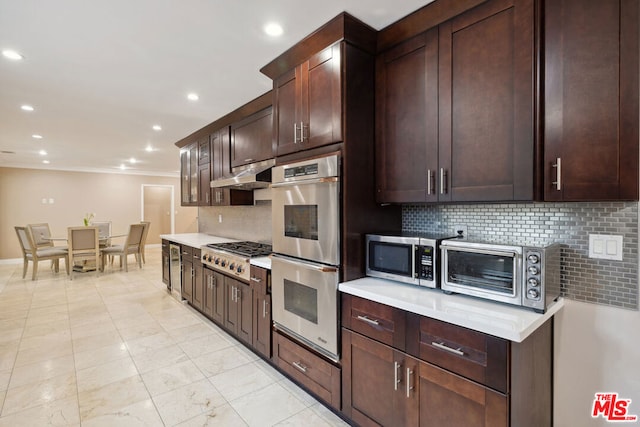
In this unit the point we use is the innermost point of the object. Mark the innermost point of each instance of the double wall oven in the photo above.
(306, 246)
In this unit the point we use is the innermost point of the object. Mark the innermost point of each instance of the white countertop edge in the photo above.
(263, 261)
(195, 240)
(497, 319)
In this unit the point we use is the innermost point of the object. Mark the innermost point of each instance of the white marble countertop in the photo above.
(501, 320)
(195, 240)
(262, 261)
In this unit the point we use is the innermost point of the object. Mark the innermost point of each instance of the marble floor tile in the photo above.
(58, 413)
(207, 344)
(267, 406)
(38, 354)
(171, 377)
(46, 328)
(44, 341)
(43, 370)
(112, 397)
(152, 342)
(139, 414)
(89, 342)
(100, 355)
(224, 415)
(101, 375)
(40, 393)
(222, 360)
(159, 358)
(187, 402)
(137, 330)
(235, 383)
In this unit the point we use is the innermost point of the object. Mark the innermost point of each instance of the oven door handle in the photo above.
(305, 182)
(305, 264)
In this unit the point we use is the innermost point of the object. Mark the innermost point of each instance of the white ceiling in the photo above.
(100, 73)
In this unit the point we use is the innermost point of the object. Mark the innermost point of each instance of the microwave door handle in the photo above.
(317, 267)
(305, 182)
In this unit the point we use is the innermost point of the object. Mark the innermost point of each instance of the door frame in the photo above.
(172, 210)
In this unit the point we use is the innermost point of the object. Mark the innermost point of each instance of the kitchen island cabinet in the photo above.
(591, 100)
(454, 100)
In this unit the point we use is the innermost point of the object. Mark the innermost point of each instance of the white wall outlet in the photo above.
(605, 246)
(220, 218)
(460, 229)
(51, 201)
(44, 200)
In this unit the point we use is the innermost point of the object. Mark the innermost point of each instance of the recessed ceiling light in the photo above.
(149, 149)
(43, 153)
(27, 107)
(272, 29)
(46, 162)
(193, 97)
(157, 127)
(12, 54)
(132, 161)
(36, 136)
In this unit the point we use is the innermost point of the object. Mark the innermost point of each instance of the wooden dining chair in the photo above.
(132, 245)
(144, 238)
(30, 252)
(83, 246)
(42, 236)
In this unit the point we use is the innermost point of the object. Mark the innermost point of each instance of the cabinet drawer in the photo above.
(259, 279)
(374, 320)
(474, 355)
(185, 252)
(195, 254)
(316, 374)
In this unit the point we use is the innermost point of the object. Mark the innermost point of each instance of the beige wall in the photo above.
(113, 197)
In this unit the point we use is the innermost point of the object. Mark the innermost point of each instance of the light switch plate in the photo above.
(605, 246)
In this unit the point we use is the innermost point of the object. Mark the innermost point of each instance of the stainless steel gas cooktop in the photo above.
(233, 258)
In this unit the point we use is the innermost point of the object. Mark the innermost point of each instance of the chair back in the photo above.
(135, 236)
(104, 230)
(83, 242)
(41, 235)
(147, 225)
(25, 240)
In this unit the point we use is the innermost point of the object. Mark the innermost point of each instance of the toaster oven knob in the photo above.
(533, 270)
(533, 294)
(533, 258)
(533, 282)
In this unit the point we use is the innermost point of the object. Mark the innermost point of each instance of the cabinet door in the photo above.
(207, 297)
(194, 182)
(244, 300)
(449, 400)
(486, 79)
(218, 298)
(591, 100)
(185, 184)
(286, 92)
(321, 99)
(262, 324)
(204, 180)
(187, 280)
(166, 277)
(198, 286)
(251, 139)
(204, 151)
(379, 384)
(407, 121)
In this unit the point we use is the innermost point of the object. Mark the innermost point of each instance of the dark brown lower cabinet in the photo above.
(379, 383)
(238, 317)
(447, 399)
(260, 285)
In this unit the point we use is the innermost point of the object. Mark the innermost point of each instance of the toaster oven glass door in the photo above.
(491, 272)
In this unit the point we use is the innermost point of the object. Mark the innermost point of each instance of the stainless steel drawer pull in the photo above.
(256, 279)
(442, 346)
(295, 133)
(299, 366)
(369, 321)
(264, 308)
(558, 181)
(409, 385)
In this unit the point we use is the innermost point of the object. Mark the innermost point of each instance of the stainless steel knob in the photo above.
(533, 294)
(533, 270)
(533, 258)
(533, 282)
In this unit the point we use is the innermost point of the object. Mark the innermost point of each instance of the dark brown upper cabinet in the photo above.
(251, 138)
(308, 103)
(190, 179)
(591, 100)
(455, 109)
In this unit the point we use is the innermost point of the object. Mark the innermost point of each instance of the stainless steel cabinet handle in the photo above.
(264, 308)
(369, 321)
(396, 375)
(299, 366)
(295, 133)
(256, 279)
(442, 346)
(443, 181)
(429, 186)
(558, 181)
(302, 137)
(408, 381)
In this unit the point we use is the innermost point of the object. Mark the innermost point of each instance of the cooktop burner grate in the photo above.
(248, 249)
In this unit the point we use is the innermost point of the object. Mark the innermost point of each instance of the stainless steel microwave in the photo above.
(520, 275)
(407, 258)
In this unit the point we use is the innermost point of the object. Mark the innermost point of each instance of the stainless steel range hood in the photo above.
(247, 177)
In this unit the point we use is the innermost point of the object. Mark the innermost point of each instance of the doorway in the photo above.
(157, 207)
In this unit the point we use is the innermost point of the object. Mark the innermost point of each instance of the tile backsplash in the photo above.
(586, 279)
(238, 222)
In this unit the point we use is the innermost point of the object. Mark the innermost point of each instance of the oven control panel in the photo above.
(229, 264)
